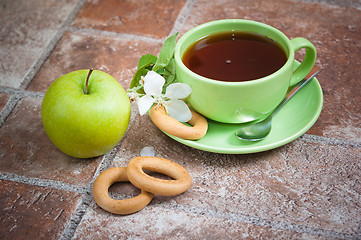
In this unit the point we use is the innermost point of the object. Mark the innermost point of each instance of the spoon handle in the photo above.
(294, 90)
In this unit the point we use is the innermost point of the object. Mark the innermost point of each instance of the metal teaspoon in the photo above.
(260, 130)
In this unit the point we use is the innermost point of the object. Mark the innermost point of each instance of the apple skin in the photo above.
(85, 125)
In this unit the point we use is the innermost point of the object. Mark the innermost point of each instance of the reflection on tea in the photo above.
(234, 56)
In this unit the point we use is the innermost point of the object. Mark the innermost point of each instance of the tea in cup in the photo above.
(239, 70)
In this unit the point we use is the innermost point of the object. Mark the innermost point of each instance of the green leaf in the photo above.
(145, 64)
(169, 73)
(147, 61)
(166, 53)
(171, 66)
(137, 76)
(163, 65)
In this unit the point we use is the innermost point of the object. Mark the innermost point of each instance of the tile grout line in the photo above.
(51, 45)
(59, 185)
(105, 33)
(330, 141)
(183, 16)
(10, 105)
(15, 98)
(22, 93)
(77, 216)
(333, 4)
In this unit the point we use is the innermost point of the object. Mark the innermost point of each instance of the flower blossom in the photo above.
(171, 100)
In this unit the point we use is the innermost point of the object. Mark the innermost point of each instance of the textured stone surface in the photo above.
(147, 18)
(175, 222)
(31, 212)
(117, 56)
(27, 27)
(307, 189)
(26, 150)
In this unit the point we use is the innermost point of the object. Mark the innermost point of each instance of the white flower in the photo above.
(133, 96)
(171, 100)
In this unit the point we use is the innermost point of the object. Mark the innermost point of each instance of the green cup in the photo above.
(240, 102)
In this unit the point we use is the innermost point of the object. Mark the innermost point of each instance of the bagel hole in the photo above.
(123, 190)
(158, 175)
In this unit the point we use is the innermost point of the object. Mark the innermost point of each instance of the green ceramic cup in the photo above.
(240, 102)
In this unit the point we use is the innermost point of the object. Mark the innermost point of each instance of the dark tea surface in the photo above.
(234, 56)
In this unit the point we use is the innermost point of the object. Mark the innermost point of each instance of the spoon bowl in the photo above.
(260, 130)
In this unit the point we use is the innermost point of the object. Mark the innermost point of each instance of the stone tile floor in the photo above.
(307, 189)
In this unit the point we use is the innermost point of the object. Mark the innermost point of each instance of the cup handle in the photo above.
(308, 61)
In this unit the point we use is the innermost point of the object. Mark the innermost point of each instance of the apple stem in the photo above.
(87, 80)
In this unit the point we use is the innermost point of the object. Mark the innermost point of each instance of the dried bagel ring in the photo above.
(182, 180)
(176, 128)
(126, 206)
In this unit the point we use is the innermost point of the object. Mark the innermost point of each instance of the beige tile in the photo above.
(163, 223)
(27, 26)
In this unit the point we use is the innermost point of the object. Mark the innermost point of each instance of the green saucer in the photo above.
(293, 120)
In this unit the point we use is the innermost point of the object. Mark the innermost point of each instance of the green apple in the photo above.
(85, 113)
